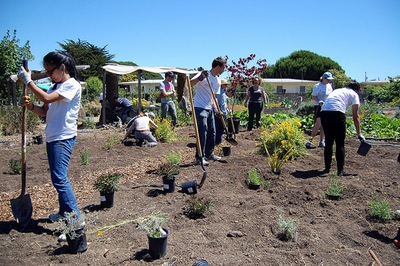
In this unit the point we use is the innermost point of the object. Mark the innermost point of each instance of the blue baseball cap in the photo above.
(328, 75)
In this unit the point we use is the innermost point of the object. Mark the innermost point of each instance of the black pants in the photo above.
(334, 125)
(255, 108)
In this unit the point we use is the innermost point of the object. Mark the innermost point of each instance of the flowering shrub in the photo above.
(164, 132)
(196, 206)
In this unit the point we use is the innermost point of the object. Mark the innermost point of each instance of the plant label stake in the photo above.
(22, 206)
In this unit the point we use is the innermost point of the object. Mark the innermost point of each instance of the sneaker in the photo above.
(214, 158)
(205, 163)
(343, 173)
(309, 145)
(62, 238)
(321, 144)
(55, 217)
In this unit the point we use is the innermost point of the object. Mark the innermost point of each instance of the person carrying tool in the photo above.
(62, 100)
(203, 105)
(321, 90)
(167, 95)
(222, 98)
(333, 120)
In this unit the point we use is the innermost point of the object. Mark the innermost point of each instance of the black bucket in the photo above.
(226, 151)
(236, 124)
(38, 139)
(189, 187)
(364, 148)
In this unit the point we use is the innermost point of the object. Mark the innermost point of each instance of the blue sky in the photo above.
(361, 35)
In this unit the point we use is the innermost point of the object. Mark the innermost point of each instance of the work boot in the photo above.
(214, 158)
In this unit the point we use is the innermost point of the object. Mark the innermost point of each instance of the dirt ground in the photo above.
(329, 232)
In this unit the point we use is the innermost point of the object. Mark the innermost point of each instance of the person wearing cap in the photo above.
(333, 120)
(256, 98)
(203, 106)
(222, 99)
(141, 129)
(167, 95)
(321, 90)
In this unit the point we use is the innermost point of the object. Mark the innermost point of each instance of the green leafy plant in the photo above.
(287, 227)
(196, 206)
(72, 225)
(164, 132)
(107, 183)
(153, 224)
(254, 178)
(173, 157)
(15, 166)
(113, 139)
(84, 156)
(168, 169)
(380, 209)
(335, 188)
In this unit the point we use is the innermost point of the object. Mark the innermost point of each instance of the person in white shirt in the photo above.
(333, 119)
(321, 90)
(142, 129)
(204, 109)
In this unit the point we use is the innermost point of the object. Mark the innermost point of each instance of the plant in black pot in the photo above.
(169, 169)
(73, 227)
(255, 180)
(107, 184)
(157, 235)
(335, 188)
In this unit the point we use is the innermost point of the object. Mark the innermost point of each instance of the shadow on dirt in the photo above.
(378, 236)
(307, 174)
(33, 227)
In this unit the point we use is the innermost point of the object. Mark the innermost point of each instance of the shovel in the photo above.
(228, 138)
(196, 130)
(22, 206)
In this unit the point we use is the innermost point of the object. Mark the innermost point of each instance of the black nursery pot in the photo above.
(363, 149)
(189, 187)
(158, 245)
(106, 199)
(78, 244)
(168, 184)
(332, 197)
(226, 151)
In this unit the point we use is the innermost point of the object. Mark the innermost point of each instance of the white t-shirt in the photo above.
(142, 123)
(203, 97)
(62, 115)
(340, 99)
(321, 91)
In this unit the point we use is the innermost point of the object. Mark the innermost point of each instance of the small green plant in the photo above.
(168, 169)
(380, 209)
(113, 139)
(254, 178)
(174, 158)
(153, 224)
(196, 207)
(71, 225)
(164, 132)
(107, 183)
(84, 156)
(335, 188)
(277, 159)
(287, 227)
(15, 166)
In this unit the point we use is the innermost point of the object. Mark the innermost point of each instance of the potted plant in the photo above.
(254, 179)
(107, 184)
(335, 188)
(75, 231)
(169, 169)
(157, 235)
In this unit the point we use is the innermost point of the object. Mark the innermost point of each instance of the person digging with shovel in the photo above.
(61, 107)
(203, 105)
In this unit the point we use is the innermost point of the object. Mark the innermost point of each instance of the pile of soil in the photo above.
(241, 227)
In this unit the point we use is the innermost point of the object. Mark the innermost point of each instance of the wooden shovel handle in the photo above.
(375, 258)
(23, 140)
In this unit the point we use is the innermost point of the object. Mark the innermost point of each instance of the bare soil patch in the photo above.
(329, 232)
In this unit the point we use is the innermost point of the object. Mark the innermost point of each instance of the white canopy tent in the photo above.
(122, 69)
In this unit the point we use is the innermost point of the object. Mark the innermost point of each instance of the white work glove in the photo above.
(24, 76)
(361, 137)
(321, 103)
(203, 75)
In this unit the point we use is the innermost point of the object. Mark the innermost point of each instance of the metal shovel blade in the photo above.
(232, 141)
(22, 209)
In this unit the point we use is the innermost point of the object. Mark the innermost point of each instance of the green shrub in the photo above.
(197, 206)
(380, 209)
(164, 132)
(287, 227)
(11, 120)
(15, 166)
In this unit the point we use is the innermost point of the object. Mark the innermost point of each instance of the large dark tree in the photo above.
(301, 65)
(86, 53)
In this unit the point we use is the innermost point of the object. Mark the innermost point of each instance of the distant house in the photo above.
(150, 85)
(290, 86)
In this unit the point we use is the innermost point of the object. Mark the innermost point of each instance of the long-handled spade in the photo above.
(22, 206)
(196, 129)
(228, 136)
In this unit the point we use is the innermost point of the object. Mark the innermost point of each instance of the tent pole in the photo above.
(103, 106)
(139, 91)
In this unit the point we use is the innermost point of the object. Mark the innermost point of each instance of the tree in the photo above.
(93, 88)
(11, 56)
(301, 65)
(86, 53)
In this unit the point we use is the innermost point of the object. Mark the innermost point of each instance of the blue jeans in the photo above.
(206, 126)
(219, 130)
(125, 113)
(59, 154)
(169, 107)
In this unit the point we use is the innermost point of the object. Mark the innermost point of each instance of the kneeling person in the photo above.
(142, 129)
